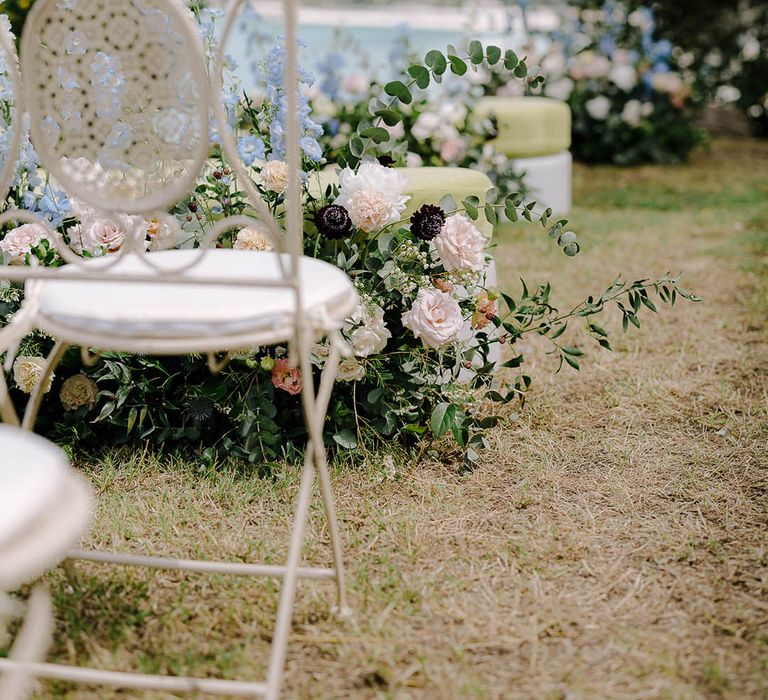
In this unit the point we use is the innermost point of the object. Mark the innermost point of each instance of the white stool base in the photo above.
(548, 179)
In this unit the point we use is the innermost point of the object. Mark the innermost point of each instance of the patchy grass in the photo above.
(611, 546)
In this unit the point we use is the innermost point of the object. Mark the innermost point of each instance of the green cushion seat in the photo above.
(528, 126)
(428, 185)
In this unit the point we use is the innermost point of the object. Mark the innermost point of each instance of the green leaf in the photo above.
(420, 74)
(475, 51)
(436, 61)
(356, 146)
(490, 214)
(572, 361)
(346, 439)
(448, 203)
(493, 55)
(133, 414)
(598, 329)
(443, 418)
(458, 67)
(388, 116)
(510, 59)
(377, 134)
(521, 70)
(400, 90)
(570, 350)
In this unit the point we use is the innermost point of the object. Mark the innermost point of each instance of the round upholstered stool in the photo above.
(536, 133)
(430, 185)
(44, 506)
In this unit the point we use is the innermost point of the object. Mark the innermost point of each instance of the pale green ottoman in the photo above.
(429, 186)
(535, 132)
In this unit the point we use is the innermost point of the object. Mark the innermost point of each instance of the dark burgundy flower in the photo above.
(427, 222)
(333, 221)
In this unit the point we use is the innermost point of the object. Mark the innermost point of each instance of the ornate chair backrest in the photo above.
(119, 105)
(119, 102)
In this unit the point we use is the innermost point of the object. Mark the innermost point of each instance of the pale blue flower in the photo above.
(250, 148)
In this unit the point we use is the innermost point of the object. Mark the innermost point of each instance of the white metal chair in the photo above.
(119, 108)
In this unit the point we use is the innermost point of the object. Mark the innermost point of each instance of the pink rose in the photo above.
(452, 149)
(460, 245)
(103, 233)
(356, 84)
(20, 241)
(286, 377)
(435, 317)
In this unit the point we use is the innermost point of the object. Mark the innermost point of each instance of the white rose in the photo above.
(413, 160)
(20, 241)
(250, 238)
(370, 338)
(460, 245)
(454, 113)
(435, 317)
(396, 132)
(640, 19)
(598, 107)
(373, 195)
(27, 371)
(624, 76)
(163, 231)
(632, 112)
(425, 126)
(589, 65)
(350, 370)
(452, 149)
(275, 175)
(559, 89)
(553, 64)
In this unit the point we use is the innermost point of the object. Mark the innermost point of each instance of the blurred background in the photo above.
(646, 82)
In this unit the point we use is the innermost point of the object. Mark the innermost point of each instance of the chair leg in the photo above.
(33, 406)
(288, 590)
(321, 464)
(7, 409)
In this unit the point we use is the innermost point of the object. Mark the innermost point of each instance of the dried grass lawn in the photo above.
(613, 544)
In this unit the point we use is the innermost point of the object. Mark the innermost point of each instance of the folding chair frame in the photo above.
(314, 404)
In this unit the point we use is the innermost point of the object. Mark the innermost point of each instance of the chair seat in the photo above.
(157, 317)
(528, 126)
(44, 506)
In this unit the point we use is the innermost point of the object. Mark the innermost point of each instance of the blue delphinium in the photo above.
(275, 96)
(250, 148)
(330, 67)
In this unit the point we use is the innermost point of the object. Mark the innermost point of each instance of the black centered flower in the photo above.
(333, 221)
(427, 222)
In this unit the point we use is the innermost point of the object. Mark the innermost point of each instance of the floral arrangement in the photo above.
(437, 128)
(421, 341)
(632, 96)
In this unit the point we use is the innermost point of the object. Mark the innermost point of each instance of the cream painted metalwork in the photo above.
(119, 100)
